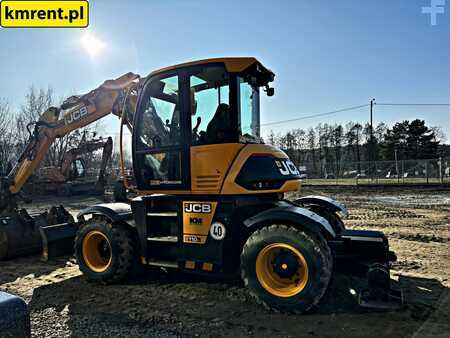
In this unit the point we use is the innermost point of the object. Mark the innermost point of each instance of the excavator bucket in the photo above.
(51, 233)
(57, 240)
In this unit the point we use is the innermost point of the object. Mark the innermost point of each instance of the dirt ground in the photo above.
(63, 303)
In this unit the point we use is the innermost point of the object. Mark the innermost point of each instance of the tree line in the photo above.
(328, 146)
(324, 146)
(16, 125)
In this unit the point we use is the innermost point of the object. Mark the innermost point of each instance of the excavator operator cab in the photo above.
(190, 108)
(78, 169)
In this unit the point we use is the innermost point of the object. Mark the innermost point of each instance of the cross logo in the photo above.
(436, 7)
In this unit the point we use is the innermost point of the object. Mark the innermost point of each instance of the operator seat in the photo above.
(219, 129)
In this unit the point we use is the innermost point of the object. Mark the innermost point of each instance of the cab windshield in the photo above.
(249, 112)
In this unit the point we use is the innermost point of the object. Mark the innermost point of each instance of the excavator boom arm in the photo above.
(76, 112)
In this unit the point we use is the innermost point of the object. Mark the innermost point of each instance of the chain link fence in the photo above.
(433, 171)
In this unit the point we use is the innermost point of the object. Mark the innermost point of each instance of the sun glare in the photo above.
(92, 45)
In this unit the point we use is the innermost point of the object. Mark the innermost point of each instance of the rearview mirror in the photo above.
(269, 91)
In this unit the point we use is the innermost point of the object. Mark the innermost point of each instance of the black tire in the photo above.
(120, 246)
(316, 253)
(119, 192)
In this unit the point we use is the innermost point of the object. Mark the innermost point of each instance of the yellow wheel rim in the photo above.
(96, 251)
(282, 270)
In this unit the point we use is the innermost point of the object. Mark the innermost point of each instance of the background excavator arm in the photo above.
(76, 112)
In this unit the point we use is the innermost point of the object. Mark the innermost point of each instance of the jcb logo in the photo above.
(200, 208)
(76, 115)
(287, 168)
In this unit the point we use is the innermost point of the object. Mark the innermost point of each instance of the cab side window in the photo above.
(78, 169)
(160, 123)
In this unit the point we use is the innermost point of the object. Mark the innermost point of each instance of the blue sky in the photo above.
(326, 54)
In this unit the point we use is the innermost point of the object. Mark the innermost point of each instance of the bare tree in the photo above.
(336, 138)
(353, 137)
(439, 135)
(271, 139)
(380, 131)
(311, 141)
(36, 103)
(6, 141)
(323, 131)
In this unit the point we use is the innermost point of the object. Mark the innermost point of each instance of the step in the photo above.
(170, 239)
(163, 264)
(162, 214)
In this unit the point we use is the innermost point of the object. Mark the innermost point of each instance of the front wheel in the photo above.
(104, 251)
(285, 268)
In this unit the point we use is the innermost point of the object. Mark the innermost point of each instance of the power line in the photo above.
(315, 115)
(344, 110)
(413, 104)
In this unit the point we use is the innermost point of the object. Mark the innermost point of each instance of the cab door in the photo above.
(160, 137)
(213, 114)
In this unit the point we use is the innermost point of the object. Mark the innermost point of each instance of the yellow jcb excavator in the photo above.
(211, 193)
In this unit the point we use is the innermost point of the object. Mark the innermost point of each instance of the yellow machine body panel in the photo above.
(210, 164)
(232, 64)
(209, 167)
(215, 168)
(230, 187)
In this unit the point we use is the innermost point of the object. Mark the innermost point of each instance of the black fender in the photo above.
(116, 212)
(326, 202)
(292, 215)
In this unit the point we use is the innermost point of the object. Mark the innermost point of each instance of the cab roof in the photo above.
(232, 65)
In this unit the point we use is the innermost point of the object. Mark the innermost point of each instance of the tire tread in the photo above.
(320, 247)
(122, 238)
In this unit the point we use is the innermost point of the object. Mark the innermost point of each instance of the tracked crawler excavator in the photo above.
(71, 176)
(210, 192)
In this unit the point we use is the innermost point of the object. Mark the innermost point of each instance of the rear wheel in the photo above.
(104, 251)
(285, 268)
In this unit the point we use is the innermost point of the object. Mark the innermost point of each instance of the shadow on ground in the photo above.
(31, 265)
(182, 305)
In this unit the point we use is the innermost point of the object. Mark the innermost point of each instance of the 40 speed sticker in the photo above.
(217, 231)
